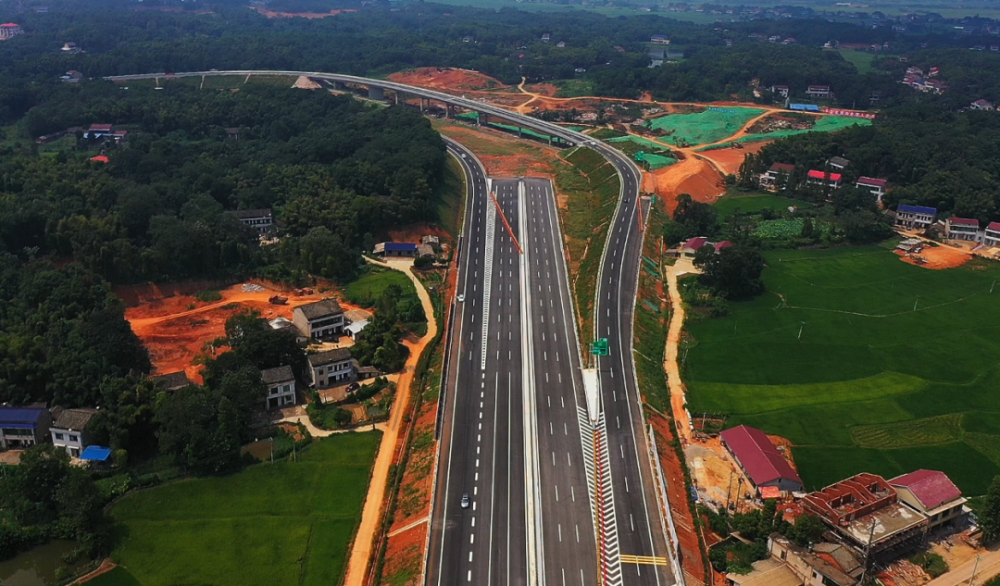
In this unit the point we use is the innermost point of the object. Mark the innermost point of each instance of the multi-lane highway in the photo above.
(501, 431)
(639, 526)
(570, 550)
(482, 442)
(514, 402)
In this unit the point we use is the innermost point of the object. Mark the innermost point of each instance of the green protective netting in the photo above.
(644, 142)
(714, 124)
(824, 124)
(659, 161)
(472, 116)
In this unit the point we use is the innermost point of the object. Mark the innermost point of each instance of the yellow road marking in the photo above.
(643, 559)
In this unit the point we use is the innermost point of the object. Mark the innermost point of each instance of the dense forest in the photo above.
(334, 168)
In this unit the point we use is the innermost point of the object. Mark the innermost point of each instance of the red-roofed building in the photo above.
(99, 159)
(99, 130)
(776, 176)
(759, 459)
(875, 186)
(831, 180)
(720, 246)
(992, 235)
(932, 493)
(694, 245)
(9, 30)
(865, 510)
(962, 229)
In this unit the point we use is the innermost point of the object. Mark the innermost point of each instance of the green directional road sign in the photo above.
(600, 347)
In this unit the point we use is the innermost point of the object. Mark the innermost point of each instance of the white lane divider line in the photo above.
(491, 224)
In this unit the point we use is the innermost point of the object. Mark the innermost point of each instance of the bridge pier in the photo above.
(375, 93)
(482, 119)
(449, 111)
(422, 106)
(338, 85)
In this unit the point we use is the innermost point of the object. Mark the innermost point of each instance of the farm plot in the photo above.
(863, 362)
(271, 524)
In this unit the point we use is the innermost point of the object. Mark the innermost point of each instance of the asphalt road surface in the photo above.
(482, 444)
(570, 550)
(640, 530)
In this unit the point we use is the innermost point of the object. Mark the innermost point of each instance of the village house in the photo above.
(171, 381)
(72, 76)
(280, 383)
(284, 324)
(875, 186)
(776, 177)
(331, 366)
(99, 131)
(71, 48)
(981, 104)
(395, 249)
(915, 217)
(932, 494)
(69, 431)
(824, 564)
(319, 319)
(759, 459)
(818, 91)
(10, 30)
(962, 229)
(692, 246)
(838, 163)
(23, 427)
(991, 237)
(780, 90)
(546, 37)
(260, 220)
(659, 40)
(822, 178)
(865, 512)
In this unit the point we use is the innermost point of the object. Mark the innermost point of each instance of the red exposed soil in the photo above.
(413, 232)
(405, 552)
(175, 327)
(673, 469)
(523, 159)
(728, 160)
(273, 14)
(937, 258)
(447, 79)
(692, 176)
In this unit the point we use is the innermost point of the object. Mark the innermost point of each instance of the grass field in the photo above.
(288, 523)
(592, 187)
(574, 88)
(748, 204)
(872, 384)
(860, 59)
(367, 289)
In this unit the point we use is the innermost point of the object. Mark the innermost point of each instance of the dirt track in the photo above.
(361, 550)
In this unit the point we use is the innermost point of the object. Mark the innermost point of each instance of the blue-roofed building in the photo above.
(23, 427)
(915, 217)
(395, 249)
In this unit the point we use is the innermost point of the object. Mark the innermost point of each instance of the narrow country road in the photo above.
(670, 364)
(989, 566)
(361, 549)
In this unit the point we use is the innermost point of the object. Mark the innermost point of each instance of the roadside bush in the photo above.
(932, 563)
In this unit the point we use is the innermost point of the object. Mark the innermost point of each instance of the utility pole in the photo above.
(972, 580)
(916, 302)
(801, 327)
(868, 551)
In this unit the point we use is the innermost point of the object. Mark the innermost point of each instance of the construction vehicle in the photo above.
(277, 300)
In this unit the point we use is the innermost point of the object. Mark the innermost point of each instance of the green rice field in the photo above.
(864, 362)
(288, 523)
(748, 204)
(824, 124)
(712, 125)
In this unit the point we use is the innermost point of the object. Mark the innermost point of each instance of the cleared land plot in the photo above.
(271, 524)
(712, 125)
(872, 384)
